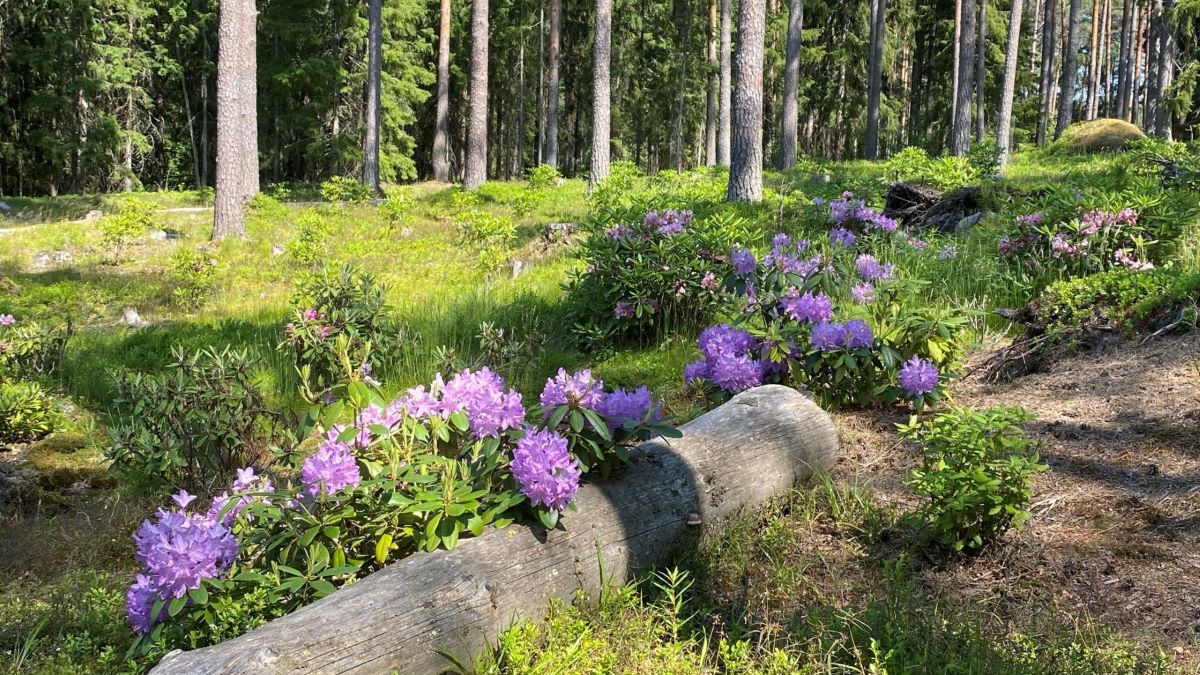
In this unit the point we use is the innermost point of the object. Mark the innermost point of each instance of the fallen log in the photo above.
(406, 616)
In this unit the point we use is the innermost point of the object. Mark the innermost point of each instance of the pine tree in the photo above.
(601, 92)
(475, 171)
(441, 134)
(237, 118)
(961, 139)
(1011, 56)
(1066, 86)
(746, 153)
(875, 76)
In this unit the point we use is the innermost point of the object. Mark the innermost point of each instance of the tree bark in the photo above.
(875, 76)
(713, 98)
(746, 152)
(1123, 69)
(1165, 70)
(1070, 63)
(1135, 76)
(981, 73)
(1106, 62)
(961, 139)
(441, 132)
(724, 119)
(475, 171)
(550, 152)
(1011, 56)
(956, 67)
(370, 168)
(789, 111)
(730, 460)
(1093, 62)
(601, 92)
(1047, 75)
(237, 117)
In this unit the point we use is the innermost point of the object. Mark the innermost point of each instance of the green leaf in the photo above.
(199, 595)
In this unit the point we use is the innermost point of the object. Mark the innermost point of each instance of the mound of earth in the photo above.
(1100, 135)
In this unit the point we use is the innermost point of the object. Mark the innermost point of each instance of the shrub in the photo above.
(29, 349)
(132, 219)
(976, 473)
(26, 413)
(1107, 298)
(194, 423)
(343, 307)
(659, 273)
(623, 175)
(1077, 241)
(193, 275)
(267, 205)
(396, 207)
(909, 165)
(345, 190)
(311, 241)
(388, 479)
(489, 236)
(984, 159)
(543, 176)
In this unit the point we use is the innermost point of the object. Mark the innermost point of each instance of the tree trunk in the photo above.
(1011, 55)
(1070, 63)
(724, 119)
(475, 171)
(1135, 76)
(875, 76)
(1123, 69)
(1093, 62)
(956, 67)
(601, 92)
(1106, 62)
(789, 111)
(1165, 70)
(961, 139)
(746, 152)
(441, 132)
(1047, 79)
(981, 73)
(237, 117)
(713, 98)
(405, 616)
(370, 169)
(550, 152)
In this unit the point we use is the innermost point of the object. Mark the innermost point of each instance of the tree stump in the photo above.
(404, 617)
(921, 207)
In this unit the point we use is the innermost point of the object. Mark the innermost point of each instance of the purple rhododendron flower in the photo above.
(696, 372)
(725, 339)
(545, 470)
(858, 334)
(1124, 259)
(139, 604)
(1031, 219)
(7, 320)
(574, 389)
(735, 373)
(709, 282)
(948, 252)
(668, 222)
(882, 222)
(621, 406)
(807, 307)
(490, 406)
(743, 261)
(618, 231)
(870, 269)
(247, 481)
(854, 334)
(623, 309)
(330, 469)
(827, 336)
(863, 293)
(918, 376)
(840, 236)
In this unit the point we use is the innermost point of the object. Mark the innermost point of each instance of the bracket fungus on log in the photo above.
(408, 616)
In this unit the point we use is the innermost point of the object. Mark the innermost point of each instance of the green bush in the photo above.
(489, 236)
(1117, 297)
(396, 208)
(310, 244)
(976, 474)
(29, 349)
(543, 176)
(345, 190)
(336, 311)
(132, 219)
(194, 423)
(193, 273)
(26, 413)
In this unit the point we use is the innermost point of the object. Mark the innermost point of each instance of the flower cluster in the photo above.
(730, 360)
(785, 256)
(871, 269)
(313, 323)
(853, 334)
(331, 469)
(840, 236)
(848, 212)
(808, 307)
(491, 407)
(247, 482)
(544, 469)
(1122, 257)
(574, 389)
(7, 320)
(621, 407)
(918, 377)
(743, 261)
(178, 551)
(668, 222)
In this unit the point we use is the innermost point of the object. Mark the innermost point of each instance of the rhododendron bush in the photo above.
(828, 315)
(385, 479)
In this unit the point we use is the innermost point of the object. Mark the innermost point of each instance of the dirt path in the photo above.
(1116, 530)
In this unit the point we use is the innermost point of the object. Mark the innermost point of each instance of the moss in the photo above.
(1101, 135)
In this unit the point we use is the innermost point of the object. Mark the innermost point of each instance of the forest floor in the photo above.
(1115, 533)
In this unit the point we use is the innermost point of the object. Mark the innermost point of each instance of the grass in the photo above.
(811, 585)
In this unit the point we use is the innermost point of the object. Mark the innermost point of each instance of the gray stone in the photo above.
(93, 216)
(132, 318)
(61, 256)
(41, 259)
(406, 233)
(558, 231)
(277, 250)
(157, 235)
(4, 207)
(520, 267)
(965, 225)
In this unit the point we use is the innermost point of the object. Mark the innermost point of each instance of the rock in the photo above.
(174, 234)
(132, 318)
(406, 233)
(1099, 135)
(93, 216)
(157, 235)
(61, 256)
(4, 207)
(520, 267)
(41, 260)
(965, 225)
(277, 250)
(555, 232)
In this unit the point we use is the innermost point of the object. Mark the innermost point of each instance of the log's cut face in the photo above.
(404, 617)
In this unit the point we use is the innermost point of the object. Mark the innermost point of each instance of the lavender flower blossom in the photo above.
(573, 389)
(545, 470)
(696, 372)
(725, 339)
(490, 406)
(621, 406)
(7, 320)
(736, 373)
(743, 261)
(870, 269)
(623, 309)
(918, 377)
(840, 236)
(330, 469)
(863, 293)
(807, 307)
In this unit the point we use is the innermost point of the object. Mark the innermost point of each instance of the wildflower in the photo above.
(818, 201)
(918, 377)
(870, 269)
(1031, 219)
(669, 222)
(365, 371)
(863, 293)
(573, 389)
(311, 314)
(1123, 258)
(247, 481)
(621, 407)
(330, 469)
(7, 320)
(743, 261)
(724, 339)
(490, 406)
(139, 604)
(735, 373)
(840, 236)
(827, 336)
(709, 282)
(623, 309)
(948, 252)
(545, 470)
(858, 334)
(696, 372)
(881, 222)
(807, 307)
(918, 244)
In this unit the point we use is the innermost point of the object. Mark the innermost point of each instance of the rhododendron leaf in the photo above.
(460, 421)
(199, 595)
(176, 606)
(576, 421)
(332, 531)
(333, 413)
(598, 424)
(322, 587)
(548, 518)
(559, 413)
(309, 535)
